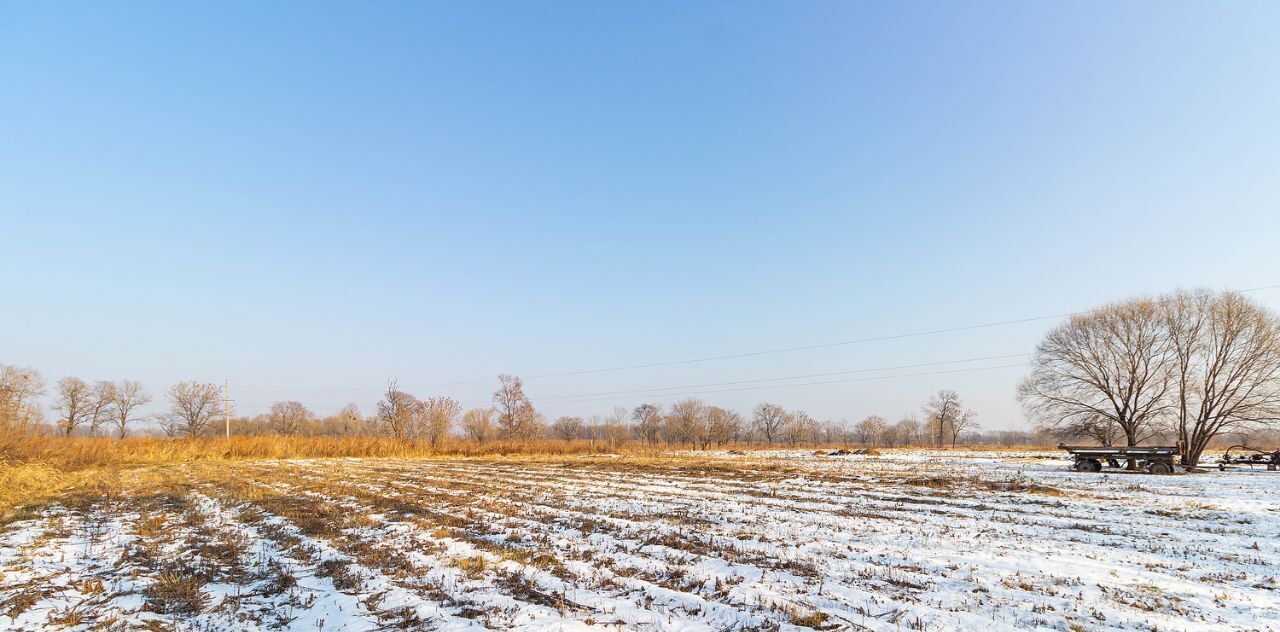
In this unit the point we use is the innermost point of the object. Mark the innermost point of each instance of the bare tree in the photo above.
(477, 423)
(568, 428)
(1112, 363)
(908, 430)
(798, 426)
(768, 420)
(1226, 366)
(723, 426)
(967, 420)
(288, 418)
(348, 421)
(648, 422)
(688, 420)
(870, 430)
(126, 397)
(439, 415)
(517, 418)
(100, 402)
(398, 411)
(72, 404)
(942, 411)
(19, 389)
(192, 406)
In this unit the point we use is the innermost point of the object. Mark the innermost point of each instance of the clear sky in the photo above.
(309, 198)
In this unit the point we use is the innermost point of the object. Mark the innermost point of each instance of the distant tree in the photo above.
(1112, 363)
(568, 428)
(908, 430)
(723, 426)
(870, 430)
(477, 423)
(72, 404)
(126, 397)
(648, 422)
(348, 421)
(768, 420)
(890, 437)
(967, 420)
(438, 416)
(288, 418)
(687, 420)
(19, 389)
(614, 430)
(101, 399)
(798, 426)
(517, 418)
(192, 405)
(398, 411)
(615, 434)
(942, 411)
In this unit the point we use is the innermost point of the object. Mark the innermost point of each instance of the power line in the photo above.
(695, 360)
(556, 398)
(580, 396)
(733, 356)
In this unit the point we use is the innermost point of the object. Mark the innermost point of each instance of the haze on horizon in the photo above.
(310, 199)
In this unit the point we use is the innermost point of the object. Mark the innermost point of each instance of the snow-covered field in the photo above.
(763, 541)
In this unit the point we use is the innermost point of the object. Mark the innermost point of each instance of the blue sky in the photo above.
(309, 198)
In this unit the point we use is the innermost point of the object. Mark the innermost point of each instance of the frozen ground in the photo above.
(763, 541)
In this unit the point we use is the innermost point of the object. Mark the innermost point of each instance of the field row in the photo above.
(742, 543)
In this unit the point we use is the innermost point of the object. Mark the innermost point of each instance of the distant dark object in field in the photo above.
(739, 452)
(844, 452)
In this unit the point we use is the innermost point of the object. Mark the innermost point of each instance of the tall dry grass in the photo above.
(34, 467)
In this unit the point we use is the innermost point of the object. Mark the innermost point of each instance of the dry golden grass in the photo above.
(36, 467)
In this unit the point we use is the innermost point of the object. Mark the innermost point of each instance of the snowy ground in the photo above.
(763, 541)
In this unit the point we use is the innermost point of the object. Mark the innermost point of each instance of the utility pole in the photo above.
(226, 406)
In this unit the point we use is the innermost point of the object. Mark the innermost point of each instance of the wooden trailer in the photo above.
(1151, 459)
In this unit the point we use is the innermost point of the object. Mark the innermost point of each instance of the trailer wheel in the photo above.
(1159, 468)
(1088, 465)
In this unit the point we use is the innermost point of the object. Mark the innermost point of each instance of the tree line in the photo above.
(111, 408)
(1192, 365)
(104, 407)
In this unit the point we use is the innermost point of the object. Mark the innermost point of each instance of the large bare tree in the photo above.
(1109, 365)
(126, 397)
(192, 405)
(73, 404)
(1226, 366)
